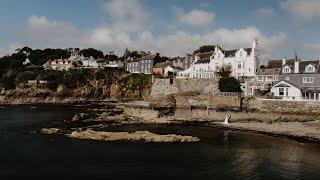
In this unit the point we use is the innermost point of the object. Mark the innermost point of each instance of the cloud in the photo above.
(196, 17)
(126, 15)
(314, 47)
(40, 28)
(303, 9)
(264, 12)
(175, 43)
(180, 42)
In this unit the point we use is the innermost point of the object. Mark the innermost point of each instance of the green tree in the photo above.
(227, 83)
(92, 52)
(23, 77)
(204, 48)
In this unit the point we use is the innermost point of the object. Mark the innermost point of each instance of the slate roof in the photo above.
(274, 64)
(302, 65)
(269, 71)
(280, 83)
(232, 53)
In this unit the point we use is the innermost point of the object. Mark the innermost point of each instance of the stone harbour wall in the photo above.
(163, 87)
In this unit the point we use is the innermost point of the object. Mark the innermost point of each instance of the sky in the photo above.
(170, 27)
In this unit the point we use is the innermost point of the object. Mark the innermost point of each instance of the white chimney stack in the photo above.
(284, 61)
(296, 66)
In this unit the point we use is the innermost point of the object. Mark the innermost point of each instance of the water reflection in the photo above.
(220, 154)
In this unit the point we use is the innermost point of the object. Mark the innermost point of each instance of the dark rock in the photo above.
(80, 117)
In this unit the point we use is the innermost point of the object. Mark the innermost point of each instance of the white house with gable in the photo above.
(244, 62)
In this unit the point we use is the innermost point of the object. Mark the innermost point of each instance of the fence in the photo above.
(229, 94)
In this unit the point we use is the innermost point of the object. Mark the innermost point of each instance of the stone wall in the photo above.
(163, 87)
(289, 107)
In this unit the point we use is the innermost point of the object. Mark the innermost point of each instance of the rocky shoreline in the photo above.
(92, 123)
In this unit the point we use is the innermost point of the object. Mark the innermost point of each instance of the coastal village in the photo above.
(169, 89)
(292, 79)
(228, 87)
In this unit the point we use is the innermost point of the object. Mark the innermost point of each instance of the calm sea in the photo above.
(220, 154)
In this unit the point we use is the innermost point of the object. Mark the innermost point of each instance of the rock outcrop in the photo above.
(144, 136)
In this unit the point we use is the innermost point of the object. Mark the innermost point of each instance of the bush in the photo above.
(25, 76)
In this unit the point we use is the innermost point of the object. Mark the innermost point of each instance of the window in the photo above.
(308, 80)
(240, 54)
(287, 78)
(310, 68)
(269, 78)
(281, 91)
(286, 70)
(239, 65)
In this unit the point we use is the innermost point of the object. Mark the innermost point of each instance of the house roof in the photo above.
(269, 71)
(203, 61)
(285, 84)
(278, 63)
(163, 64)
(147, 57)
(310, 89)
(232, 53)
(303, 64)
(274, 64)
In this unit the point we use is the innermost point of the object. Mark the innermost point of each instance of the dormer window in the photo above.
(286, 69)
(310, 68)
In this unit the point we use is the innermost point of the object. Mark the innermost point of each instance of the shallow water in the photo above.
(220, 155)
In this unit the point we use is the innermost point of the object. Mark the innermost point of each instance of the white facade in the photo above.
(243, 62)
(168, 69)
(115, 64)
(286, 91)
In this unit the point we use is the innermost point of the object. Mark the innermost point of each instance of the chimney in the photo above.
(216, 49)
(255, 43)
(296, 66)
(284, 61)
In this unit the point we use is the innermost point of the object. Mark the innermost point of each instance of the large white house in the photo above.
(244, 62)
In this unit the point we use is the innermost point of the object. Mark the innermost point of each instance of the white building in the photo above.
(115, 64)
(286, 91)
(244, 62)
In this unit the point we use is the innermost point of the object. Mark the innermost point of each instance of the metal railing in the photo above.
(229, 94)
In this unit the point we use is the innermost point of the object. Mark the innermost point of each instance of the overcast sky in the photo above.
(170, 27)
